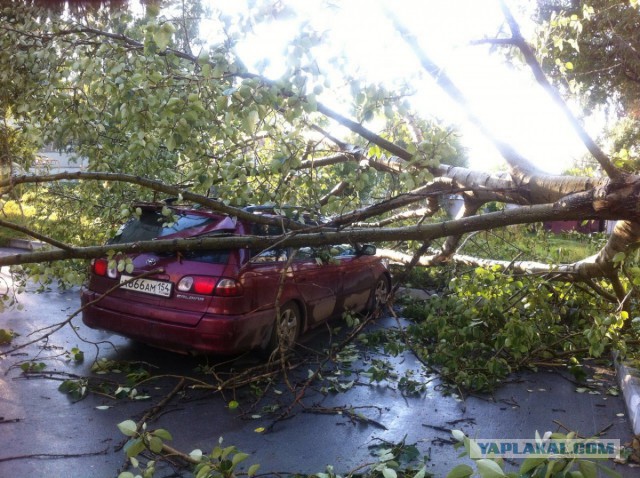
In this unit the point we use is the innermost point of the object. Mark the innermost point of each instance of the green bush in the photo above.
(487, 324)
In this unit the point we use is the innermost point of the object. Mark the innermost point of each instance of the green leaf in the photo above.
(421, 473)
(458, 435)
(251, 121)
(78, 355)
(33, 366)
(134, 447)
(76, 388)
(233, 405)
(216, 453)
(389, 473)
(608, 471)
(460, 471)
(203, 58)
(126, 474)
(473, 448)
(196, 454)
(221, 103)
(489, 469)
(171, 143)
(6, 336)
(203, 472)
(162, 434)
(588, 469)
(530, 463)
(155, 444)
(239, 457)
(226, 451)
(162, 37)
(128, 428)
(386, 455)
(253, 469)
(619, 257)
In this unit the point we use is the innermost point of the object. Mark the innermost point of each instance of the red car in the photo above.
(226, 301)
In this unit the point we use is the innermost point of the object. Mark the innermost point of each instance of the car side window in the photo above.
(320, 254)
(342, 250)
(270, 255)
(305, 254)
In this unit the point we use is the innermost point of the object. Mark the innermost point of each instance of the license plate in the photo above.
(147, 286)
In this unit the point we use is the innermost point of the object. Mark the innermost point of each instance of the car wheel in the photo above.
(287, 328)
(379, 294)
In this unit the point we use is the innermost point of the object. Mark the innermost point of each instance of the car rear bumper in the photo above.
(214, 334)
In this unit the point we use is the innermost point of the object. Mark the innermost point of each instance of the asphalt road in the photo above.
(44, 432)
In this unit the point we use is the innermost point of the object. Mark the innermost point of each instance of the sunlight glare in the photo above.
(358, 39)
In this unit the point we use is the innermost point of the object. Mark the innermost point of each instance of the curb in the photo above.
(629, 384)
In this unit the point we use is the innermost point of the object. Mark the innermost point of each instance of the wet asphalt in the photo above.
(44, 432)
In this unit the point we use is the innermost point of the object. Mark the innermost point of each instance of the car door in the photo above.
(356, 276)
(319, 282)
(264, 274)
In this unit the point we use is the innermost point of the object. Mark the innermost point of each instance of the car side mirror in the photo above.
(367, 250)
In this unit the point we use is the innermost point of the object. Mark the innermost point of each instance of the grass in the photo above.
(528, 244)
(10, 211)
(506, 244)
(572, 249)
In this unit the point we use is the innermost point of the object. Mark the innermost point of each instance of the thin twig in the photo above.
(53, 455)
(55, 327)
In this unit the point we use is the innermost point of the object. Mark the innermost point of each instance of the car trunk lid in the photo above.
(151, 289)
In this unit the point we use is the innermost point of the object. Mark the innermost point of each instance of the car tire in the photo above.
(286, 329)
(379, 294)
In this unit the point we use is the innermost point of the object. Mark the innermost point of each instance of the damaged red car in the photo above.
(226, 301)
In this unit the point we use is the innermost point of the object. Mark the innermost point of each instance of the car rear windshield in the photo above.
(212, 257)
(150, 226)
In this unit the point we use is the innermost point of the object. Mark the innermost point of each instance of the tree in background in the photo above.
(156, 113)
(590, 50)
(594, 45)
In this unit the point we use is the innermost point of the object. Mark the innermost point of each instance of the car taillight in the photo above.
(100, 267)
(198, 284)
(206, 285)
(228, 288)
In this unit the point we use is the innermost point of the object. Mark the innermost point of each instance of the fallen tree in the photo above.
(153, 118)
